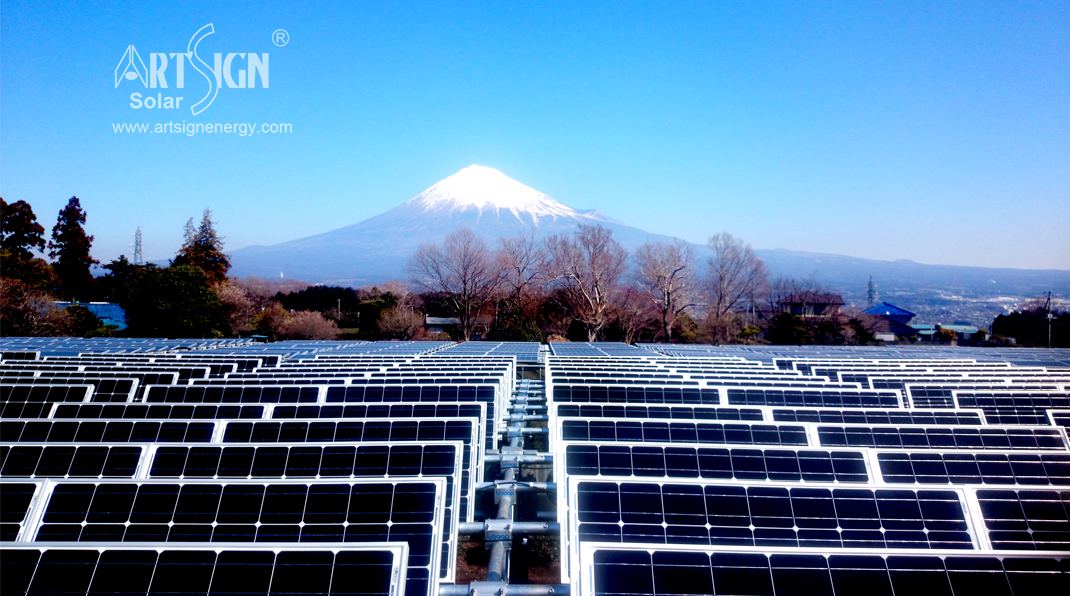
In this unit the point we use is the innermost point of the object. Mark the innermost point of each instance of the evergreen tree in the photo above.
(20, 236)
(202, 247)
(19, 231)
(69, 249)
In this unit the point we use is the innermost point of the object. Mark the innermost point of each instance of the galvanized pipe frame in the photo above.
(499, 531)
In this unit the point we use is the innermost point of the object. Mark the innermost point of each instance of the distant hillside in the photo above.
(496, 206)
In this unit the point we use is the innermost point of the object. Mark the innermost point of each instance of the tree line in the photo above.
(192, 296)
(578, 286)
(585, 286)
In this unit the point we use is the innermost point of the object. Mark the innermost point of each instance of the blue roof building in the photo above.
(898, 318)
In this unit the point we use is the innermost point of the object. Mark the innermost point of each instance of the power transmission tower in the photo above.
(871, 292)
(139, 257)
(1048, 316)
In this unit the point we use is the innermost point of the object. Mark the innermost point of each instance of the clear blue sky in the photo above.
(938, 132)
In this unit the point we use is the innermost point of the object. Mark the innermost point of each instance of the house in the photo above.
(811, 304)
(898, 318)
(445, 325)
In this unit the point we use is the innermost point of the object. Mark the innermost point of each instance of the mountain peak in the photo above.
(482, 188)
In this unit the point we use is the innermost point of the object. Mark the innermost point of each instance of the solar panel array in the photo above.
(770, 470)
(226, 466)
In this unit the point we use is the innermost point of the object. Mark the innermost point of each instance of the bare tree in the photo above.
(782, 288)
(308, 324)
(635, 314)
(463, 271)
(523, 263)
(238, 305)
(665, 275)
(737, 278)
(400, 322)
(588, 264)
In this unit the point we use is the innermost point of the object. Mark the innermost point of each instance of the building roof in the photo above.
(887, 310)
(812, 298)
(442, 321)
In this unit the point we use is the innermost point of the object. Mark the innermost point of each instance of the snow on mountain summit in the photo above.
(483, 188)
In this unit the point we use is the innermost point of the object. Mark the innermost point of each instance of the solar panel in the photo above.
(870, 416)
(208, 394)
(931, 467)
(105, 431)
(634, 395)
(465, 430)
(739, 463)
(701, 512)
(158, 411)
(813, 397)
(406, 510)
(326, 461)
(15, 498)
(342, 569)
(105, 389)
(56, 392)
(648, 431)
(76, 461)
(955, 437)
(658, 569)
(674, 412)
(1027, 519)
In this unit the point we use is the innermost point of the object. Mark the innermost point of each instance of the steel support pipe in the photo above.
(526, 431)
(539, 458)
(527, 417)
(520, 485)
(503, 589)
(522, 527)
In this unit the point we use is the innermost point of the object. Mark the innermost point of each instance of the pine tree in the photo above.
(203, 248)
(69, 249)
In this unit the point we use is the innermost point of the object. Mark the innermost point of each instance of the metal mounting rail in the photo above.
(498, 531)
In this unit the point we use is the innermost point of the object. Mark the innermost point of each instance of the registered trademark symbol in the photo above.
(280, 37)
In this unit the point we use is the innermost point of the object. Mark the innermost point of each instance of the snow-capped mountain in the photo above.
(495, 206)
(378, 249)
(489, 190)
